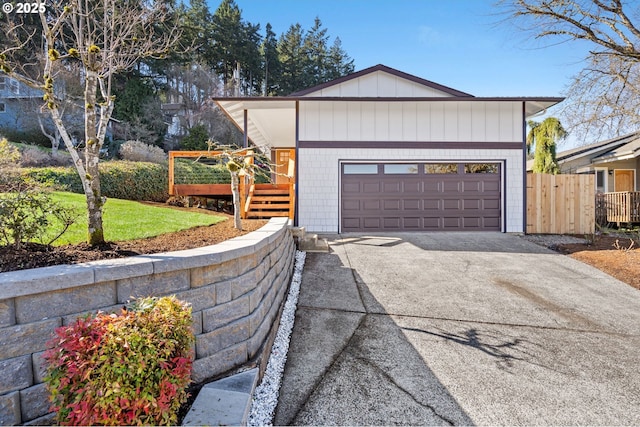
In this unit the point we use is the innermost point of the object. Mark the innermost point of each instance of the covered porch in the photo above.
(620, 207)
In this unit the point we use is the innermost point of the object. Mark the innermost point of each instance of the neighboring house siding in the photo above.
(319, 189)
(410, 121)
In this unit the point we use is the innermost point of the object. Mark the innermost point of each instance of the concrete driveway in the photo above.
(459, 328)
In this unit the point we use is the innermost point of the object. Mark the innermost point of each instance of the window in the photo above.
(362, 169)
(441, 168)
(481, 168)
(2, 107)
(400, 169)
(601, 180)
(14, 86)
(3, 83)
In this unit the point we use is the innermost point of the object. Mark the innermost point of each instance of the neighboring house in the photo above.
(615, 162)
(382, 150)
(18, 105)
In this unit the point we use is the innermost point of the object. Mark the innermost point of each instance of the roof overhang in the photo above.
(271, 121)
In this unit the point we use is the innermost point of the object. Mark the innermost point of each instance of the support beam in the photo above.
(245, 143)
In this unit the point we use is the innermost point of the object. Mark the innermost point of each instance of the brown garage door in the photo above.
(420, 196)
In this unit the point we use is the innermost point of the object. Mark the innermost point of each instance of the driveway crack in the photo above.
(390, 379)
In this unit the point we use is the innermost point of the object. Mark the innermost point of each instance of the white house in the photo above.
(382, 150)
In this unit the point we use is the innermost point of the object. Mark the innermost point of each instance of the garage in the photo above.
(420, 196)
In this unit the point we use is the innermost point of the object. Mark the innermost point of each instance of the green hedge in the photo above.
(135, 180)
(118, 179)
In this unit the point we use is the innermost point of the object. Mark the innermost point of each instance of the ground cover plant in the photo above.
(127, 369)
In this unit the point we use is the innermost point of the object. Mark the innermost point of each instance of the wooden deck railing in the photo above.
(622, 206)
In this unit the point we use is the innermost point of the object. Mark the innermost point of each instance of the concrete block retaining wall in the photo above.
(235, 288)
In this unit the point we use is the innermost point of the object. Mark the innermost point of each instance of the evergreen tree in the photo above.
(544, 136)
(228, 32)
(338, 63)
(292, 60)
(315, 50)
(270, 61)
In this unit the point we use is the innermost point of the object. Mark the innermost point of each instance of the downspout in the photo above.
(297, 181)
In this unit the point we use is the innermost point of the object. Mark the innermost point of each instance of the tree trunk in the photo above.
(91, 180)
(235, 190)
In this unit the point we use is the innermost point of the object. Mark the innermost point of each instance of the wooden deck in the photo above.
(256, 200)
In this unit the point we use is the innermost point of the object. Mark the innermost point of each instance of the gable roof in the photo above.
(384, 69)
(597, 149)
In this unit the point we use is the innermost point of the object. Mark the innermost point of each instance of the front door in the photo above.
(624, 180)
(281, 159)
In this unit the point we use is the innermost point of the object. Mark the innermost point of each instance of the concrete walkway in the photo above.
(459, 328)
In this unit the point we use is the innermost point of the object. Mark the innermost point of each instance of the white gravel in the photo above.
(265, 396)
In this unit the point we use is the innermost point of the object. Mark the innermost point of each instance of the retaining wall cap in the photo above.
(120, 268)
(47, 279)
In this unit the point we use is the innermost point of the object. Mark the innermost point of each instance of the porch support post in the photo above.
(297, 175)
(245, 142)
(524, 172)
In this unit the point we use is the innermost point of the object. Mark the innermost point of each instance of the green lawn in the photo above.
(127, 220)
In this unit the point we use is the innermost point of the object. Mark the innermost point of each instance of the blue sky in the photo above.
(458, 43)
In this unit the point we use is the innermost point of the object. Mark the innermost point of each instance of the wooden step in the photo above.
(266, 206)
(263, 215)
(275, 192)
(269, 198)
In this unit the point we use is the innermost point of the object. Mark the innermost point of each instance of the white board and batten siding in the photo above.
(459, 121)
(379, 84)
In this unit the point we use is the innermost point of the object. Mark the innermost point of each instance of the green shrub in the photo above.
(127, 369)
(196, 139)
(135, 180)
(26, 214)
(118, 179)
(9, 154)
(137, 151)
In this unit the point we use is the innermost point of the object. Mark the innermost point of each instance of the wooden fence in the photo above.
(560, 204)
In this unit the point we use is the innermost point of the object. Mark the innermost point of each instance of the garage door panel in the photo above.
(392, 187)
(371, 223)
(350, 223)
(448, 204)
(370, 205)
(391, 205)
(469, 204)
(391, 222)
(431, 204)
(451, 223)
(351, 205)
(351, 187)
(491, 204)
(451, 187)
(431, 223)
(491, 186)
(411, 223)
(411, 187)
(411, 204)
(420, 201)
(371, 187)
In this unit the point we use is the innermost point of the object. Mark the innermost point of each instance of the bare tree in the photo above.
(603, 98)
(104, 37)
